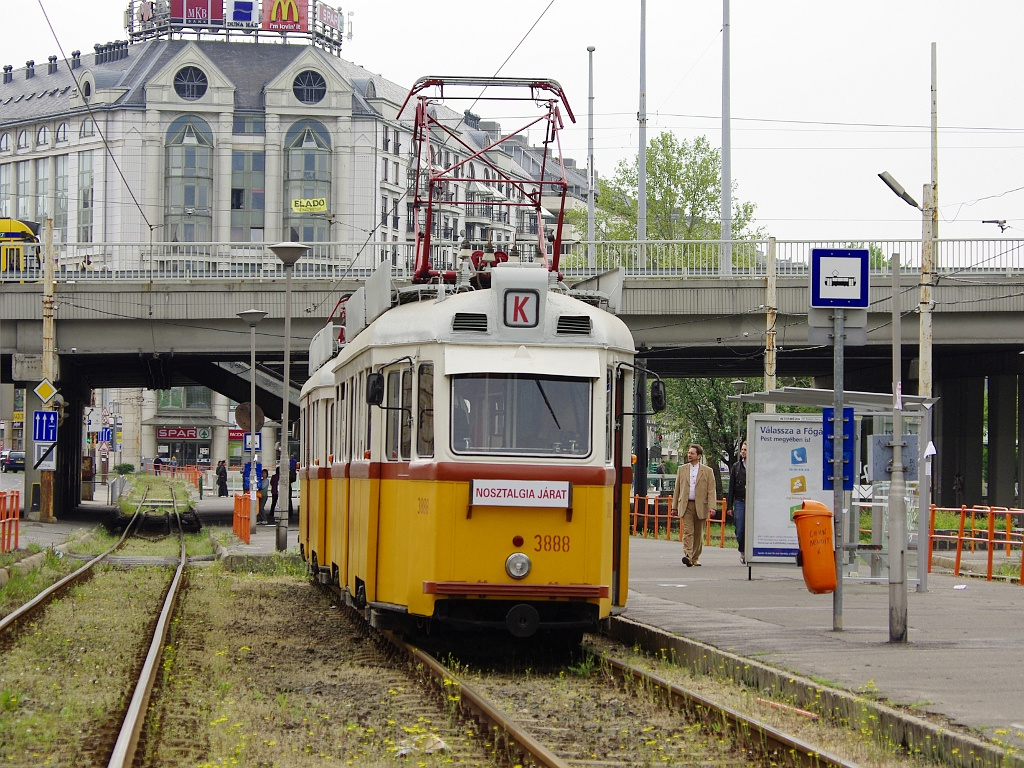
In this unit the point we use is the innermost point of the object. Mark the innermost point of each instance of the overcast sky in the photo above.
(825, 94)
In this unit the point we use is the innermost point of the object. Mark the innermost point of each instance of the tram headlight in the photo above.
(518, 565)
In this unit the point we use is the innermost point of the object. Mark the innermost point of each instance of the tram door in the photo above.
(615, 438)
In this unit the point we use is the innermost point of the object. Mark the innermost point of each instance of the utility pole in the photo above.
(771, 311)
(641, 116)
(725, 255)
(897, 485)
(49, 362)
(591, 170)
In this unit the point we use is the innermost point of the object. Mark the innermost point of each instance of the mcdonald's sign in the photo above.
(286, 15)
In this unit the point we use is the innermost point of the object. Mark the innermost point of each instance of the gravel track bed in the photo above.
(587, 718)
(266, 671)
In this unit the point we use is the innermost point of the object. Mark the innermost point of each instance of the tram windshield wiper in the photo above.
(547, 402)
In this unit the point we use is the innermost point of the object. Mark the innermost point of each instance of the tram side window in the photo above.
(398, 441)
(609, 415)
(425, 411)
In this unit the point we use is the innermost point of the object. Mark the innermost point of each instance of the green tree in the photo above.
(698, 410)
(683, 194)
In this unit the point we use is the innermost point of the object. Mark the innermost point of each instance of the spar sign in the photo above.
(521, 493)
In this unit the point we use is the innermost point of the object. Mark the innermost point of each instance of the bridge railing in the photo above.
(669, 259)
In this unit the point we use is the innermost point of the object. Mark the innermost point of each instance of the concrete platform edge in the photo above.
(915, 735)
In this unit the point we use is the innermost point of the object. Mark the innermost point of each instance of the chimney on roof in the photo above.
(30, 69)
(76, 59)
(51, 67)
(8, 73)
(568, 162)
(472, 121)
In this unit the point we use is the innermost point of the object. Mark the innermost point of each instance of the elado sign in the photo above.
(309, 205)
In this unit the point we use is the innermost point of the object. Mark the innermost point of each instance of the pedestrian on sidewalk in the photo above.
(737, 500)
(222, 478)
(693, 498)
(261, 493)
(275, 483)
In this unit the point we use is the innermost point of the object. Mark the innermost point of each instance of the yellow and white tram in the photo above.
(466, 460)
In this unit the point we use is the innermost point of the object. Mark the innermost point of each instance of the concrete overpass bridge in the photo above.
(162, 315)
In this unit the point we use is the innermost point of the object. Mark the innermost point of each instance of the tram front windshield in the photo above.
(518, 414)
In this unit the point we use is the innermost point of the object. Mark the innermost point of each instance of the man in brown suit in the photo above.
(693, 498)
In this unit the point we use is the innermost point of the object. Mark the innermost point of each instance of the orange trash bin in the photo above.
(817, 556)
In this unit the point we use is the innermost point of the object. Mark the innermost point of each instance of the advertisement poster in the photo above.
(784, 455)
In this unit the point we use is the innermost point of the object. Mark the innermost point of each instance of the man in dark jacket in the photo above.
(737, 499)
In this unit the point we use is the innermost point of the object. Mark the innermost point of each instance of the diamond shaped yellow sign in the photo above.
(45, 390)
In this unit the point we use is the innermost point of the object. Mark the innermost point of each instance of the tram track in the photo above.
(116, 734)
(615, 713)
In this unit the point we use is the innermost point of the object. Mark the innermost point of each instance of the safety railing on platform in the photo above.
(240, 523)
(973, 535)
(10, 513)
(190, 473)
(355, 260)
(652, 517)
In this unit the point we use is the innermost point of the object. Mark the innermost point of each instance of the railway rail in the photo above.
(539, 738)
(167, 511)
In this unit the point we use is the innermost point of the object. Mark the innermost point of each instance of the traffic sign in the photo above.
(44, 457)
(839, 277)
(45, 390)
(105, 435)
(247, 442)
(44, 426)
(828, 448)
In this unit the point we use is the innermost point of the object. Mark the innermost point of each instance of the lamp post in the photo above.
(739, 385)
(288, 253)
(591, 170)
(252, 318)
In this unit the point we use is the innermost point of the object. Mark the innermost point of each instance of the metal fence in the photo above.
(340, 260)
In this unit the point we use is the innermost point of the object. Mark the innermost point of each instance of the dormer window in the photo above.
(309, 87)
(190, 83)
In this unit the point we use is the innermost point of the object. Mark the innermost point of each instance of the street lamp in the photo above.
(288, 253)
(252, 318)
(924, 366)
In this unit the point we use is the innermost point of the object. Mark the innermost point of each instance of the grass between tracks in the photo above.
(71, 671)
(269, 677)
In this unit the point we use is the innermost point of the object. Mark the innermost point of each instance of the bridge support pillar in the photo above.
(1002, 439)
(959, 423)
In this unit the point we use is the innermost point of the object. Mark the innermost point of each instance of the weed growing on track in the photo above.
(22, 587)
(196, 545)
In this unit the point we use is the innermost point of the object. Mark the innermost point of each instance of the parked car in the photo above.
(14, 461)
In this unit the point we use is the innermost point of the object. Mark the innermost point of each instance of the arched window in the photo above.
(43, 137)
(5, 142)
(188, 171)
(307, 176)
(62, 132)
(23, 140)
